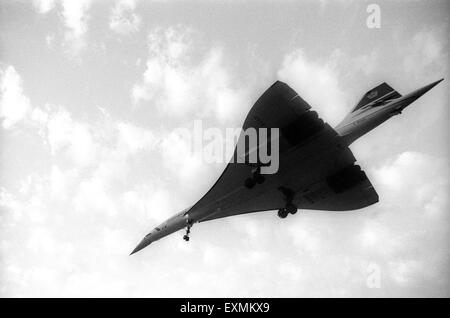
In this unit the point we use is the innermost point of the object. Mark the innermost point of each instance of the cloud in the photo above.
(72, 138)
(176, 150)
(405, 272)
(367, 63)
(123, 19)
(83, 197)
(104, 147)
(75, 19)
(73, 207)
(82, 232)
(14, 105)
(318, 84)
(44, 6)
(412, 216)
(419, 177)
(178, 85)
(133, 139)
(425, 53)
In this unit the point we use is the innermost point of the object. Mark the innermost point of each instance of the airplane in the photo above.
(317, 169)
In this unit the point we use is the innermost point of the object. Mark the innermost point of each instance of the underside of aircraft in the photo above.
(317, 170)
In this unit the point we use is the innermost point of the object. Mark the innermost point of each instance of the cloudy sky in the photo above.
(91, 92)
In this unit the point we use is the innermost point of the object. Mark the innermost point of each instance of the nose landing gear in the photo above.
(188, 230)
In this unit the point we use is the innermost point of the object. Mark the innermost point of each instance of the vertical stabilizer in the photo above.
(377, 96)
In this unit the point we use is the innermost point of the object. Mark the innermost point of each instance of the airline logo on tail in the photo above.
(372, 94)
(377, 96)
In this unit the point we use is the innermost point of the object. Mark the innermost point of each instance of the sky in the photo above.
(92, 92)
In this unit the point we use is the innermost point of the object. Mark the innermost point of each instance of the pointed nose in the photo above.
(141, 245)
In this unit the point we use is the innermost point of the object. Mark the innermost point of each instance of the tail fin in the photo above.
(377, 96)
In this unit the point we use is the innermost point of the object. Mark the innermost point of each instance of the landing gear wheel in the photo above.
(249, 183)
(283, 213)
(188, 230)
(290, 208)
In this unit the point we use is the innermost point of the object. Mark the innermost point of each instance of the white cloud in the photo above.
(413, 189)
(75, 15)
(317, 83)
(404, 272)
(44, 6)
(83, 144)
(305, 239)
(184, 162)
(123, 19)
(418, 177)
(72, 138)
(93, 199)
(14, 105)
(78, 143)
(56, 215)
(61, 182)
(425, 54)
(88, 194)
(49, 39)
(367, 63)
(133, 139)
(308, 257)
(75, 19)
(178, 85)
(214, 255)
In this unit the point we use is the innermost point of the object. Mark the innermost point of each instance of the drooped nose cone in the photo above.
(173, 224)
(144, 243)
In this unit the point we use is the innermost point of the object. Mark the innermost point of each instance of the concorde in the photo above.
(317, 170)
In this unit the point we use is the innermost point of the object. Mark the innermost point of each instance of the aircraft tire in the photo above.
(282, 213)
(292, 209)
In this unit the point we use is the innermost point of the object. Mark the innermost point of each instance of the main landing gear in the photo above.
(188, 230)
(290, 208)
(255, 178)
